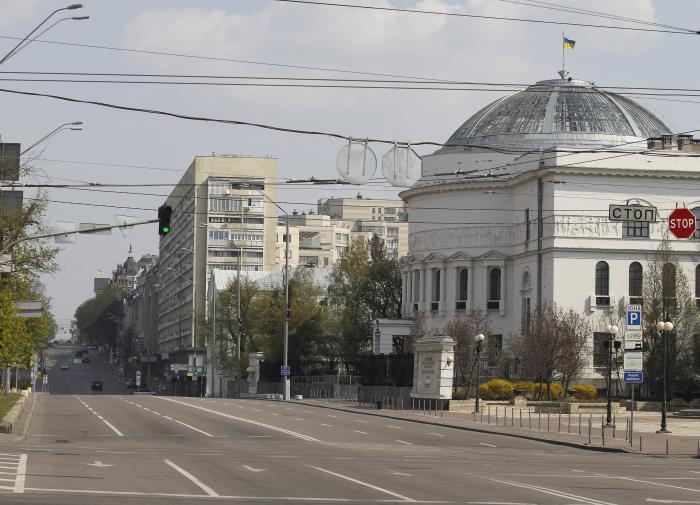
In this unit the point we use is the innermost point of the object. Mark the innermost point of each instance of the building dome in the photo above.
(557, 113)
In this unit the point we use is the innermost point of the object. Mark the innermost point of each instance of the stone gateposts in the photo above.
(433, 370)
(254, 359)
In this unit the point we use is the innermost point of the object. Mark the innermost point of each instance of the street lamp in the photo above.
(26, 40)
(612, 343)
(286, 284)
(75, 126)
(479, 340)
(664, 326)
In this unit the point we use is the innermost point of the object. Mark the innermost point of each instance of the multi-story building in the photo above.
(220, 220)
(141, 316)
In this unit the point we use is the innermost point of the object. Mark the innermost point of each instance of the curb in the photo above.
(9, 421)
(473, 429)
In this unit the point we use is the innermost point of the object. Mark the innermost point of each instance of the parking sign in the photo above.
(634, 317)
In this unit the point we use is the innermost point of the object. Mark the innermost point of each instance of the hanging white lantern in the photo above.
(356, 162)
(401, 166)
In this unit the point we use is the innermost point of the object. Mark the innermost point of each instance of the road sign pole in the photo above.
(632, 415)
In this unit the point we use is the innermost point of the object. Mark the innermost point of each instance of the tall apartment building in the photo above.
(220, 220)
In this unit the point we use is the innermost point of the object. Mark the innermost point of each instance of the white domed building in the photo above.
(513, 212)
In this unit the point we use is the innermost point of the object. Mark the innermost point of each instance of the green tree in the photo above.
(16, 345)
(97, 319)
(383, 293)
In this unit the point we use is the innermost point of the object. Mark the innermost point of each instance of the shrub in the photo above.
(496, 389)
(557, 391)
(583, 391)
(523, 388)
(459, 394)
(24, 383)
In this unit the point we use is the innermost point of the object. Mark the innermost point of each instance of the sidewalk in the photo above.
(555, 429)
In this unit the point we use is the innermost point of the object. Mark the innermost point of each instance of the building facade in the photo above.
(529, 225)
(220, 220)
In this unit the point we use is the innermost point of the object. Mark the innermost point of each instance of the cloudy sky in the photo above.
(126, 147)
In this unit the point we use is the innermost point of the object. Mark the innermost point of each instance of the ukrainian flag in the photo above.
(568, 43)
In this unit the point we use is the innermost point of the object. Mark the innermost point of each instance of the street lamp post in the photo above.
(75, 126)
(479, 340)
(667, 327)
(285, 378)
(612, 331)
(26, 40)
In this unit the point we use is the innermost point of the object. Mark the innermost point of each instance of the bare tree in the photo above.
(554, 346)
(463, 330)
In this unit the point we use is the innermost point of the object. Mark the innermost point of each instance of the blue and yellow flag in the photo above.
(569, 43)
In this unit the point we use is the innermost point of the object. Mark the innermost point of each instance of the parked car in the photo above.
(96, 386)
(64, 365)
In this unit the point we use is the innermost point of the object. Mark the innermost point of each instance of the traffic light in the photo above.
(164, 214)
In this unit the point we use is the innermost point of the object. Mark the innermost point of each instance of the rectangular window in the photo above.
(325, 262)
(390, 210)
(392, 231)
(219, 234)
(416, 289)
(308, 260)
(224, 205)
(527, 225)
(435, 302)
(600, 352)
(635, 229)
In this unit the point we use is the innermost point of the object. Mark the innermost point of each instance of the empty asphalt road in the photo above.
(117, 448)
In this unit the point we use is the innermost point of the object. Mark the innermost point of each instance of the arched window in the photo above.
(668, 287)
(435, 301)
(462, 288)
(602, 283)
(494, 301)
(635, 283)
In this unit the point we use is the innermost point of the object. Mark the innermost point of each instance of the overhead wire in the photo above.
(378, 8)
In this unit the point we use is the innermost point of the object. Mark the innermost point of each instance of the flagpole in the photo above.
(563, 53)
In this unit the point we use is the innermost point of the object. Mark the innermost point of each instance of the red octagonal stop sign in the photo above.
(681, 222)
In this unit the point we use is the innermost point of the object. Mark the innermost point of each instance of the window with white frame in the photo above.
(219, 235)
(494, 292)
(462, 288)
(436, 280)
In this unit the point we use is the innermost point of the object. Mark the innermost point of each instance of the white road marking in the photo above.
(251, 469)
(395, 427)
(99, 464)
(366, 484)
(308, 412)
(361, 432)
(324, 424)
(111, 426)
(275, 414)
(359, 420)
(654, 500)
(241, 419)
(258, 436)
(21, 474)
(298, 419)
(394, 472)
(552, 492)
(331, 415)
(193, 428)
(436, 434)
(404, 442)
(168, 417)
(487, 445)
(192, 478)
(659, 484)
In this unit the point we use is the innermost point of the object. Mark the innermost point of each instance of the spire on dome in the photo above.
(131, 251)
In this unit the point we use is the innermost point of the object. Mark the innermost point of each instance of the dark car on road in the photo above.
(96, 386)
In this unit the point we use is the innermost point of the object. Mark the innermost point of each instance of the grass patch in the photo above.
(6, 403)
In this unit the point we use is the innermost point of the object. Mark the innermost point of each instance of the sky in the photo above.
(119, 147)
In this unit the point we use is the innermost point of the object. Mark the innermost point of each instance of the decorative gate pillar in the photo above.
(254, 359)
(433, 368)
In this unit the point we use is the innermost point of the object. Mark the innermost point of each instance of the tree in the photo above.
(553, 346)
(97, 319)
(383, 294)
(668, 297)
(16, 345)
(463, 329)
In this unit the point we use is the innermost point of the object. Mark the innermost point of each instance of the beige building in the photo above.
(320, 239)
(220, 220)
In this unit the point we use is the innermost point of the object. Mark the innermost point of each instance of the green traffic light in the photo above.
(166, 229)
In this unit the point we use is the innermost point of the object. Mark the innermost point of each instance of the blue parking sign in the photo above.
(634, 319)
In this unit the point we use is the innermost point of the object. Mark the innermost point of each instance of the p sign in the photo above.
(634, 317)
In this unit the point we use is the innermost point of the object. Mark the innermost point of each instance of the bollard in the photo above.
(614, 425)
(548, 418)
(529, 418)
(488, 416)
(568, 423)
(539, 420)
(602, 434)
(579, 424)
(442, 407)
(667, 444)
(474, 414)
(482, 415)
(496, 415)
(512, 417)
(559, 428)
(590, 428)
(521, 420)
(627, 427)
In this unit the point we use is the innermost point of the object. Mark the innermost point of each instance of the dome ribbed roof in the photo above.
(557, 113)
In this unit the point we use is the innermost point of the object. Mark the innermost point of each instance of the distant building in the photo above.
(101, 284)
(220, 220)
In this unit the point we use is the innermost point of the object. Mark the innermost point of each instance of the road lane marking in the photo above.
(21, 474)
(324, 424)
(404, 442)
(241, 419)
(111, 426)
(193, 428)
(394, 472)
(251, 469)
(331, 415)
(552, 492)
(168, 417)
(394, 427)
(436, 434)
(486, 445)
(361, 432)
(659, 484)
(298, 419)
(366, 484)
(359, 420)
(192, 478)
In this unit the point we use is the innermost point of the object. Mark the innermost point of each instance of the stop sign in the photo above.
(681, 223)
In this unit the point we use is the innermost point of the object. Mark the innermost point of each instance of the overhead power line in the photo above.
(682, 31)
